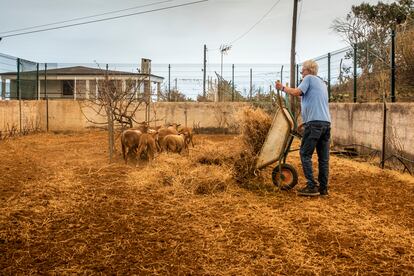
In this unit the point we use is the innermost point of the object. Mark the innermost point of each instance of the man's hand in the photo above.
(301, 129)
(279, 85)
(291, 91)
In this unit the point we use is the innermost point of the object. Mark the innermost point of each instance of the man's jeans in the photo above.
(316, 135)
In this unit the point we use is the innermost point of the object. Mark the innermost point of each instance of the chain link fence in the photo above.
(365, 72)
(26, 87)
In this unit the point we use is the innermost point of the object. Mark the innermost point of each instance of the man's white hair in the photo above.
(311, 66)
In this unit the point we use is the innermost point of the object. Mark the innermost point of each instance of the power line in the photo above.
(106, 19)
(84, 17)
(255, 24)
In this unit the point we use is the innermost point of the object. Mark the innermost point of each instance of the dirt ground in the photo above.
(64, 209)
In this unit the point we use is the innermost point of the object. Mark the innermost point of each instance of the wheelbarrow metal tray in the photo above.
(276, 140)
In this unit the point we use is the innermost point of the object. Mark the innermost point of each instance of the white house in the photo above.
(78, 82)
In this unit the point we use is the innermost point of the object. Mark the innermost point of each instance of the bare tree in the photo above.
(115, 104)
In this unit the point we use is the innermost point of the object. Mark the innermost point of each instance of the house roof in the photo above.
(82, 71)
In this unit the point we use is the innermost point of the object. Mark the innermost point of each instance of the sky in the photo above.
(175, 35)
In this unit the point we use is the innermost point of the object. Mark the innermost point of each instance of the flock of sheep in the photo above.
(143, 141)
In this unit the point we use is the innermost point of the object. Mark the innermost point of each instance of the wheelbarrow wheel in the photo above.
(287, 179)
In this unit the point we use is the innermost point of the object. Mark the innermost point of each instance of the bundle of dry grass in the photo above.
(255, 124)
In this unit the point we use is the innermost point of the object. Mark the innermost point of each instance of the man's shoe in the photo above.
(308, 191)
(323, 192)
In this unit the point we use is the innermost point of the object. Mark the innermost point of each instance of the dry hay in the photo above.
(206, 180)
(185, 174)
(212, 154)
(255, 125)
(64, 210)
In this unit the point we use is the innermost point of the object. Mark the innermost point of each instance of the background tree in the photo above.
(369, 26)
(174, 95)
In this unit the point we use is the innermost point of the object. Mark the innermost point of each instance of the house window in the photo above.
(68, 87)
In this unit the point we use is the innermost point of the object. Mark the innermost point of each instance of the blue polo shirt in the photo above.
(315, 106)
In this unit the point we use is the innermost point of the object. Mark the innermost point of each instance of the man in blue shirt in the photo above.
(317, 122)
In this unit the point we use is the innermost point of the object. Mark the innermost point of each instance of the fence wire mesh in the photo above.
(27, 78)
(8, 68)
(354, 74)
(335, 70)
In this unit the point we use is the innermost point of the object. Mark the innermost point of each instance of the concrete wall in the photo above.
(33, 116)
(73, 115)
(198, 114)
(360, 124)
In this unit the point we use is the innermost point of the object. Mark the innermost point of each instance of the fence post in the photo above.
(270, 93)
(251, 84)
(392, 66)
(19, 94)
(232, 83)
(18, 79)
(384, 129)
(281, 75)
(329, 77)
(47, 100)
(37, 82)
(355, 73)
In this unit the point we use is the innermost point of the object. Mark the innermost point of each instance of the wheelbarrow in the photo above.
(276, 148)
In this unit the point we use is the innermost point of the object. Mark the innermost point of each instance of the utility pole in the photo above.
(251, 84)
(169, 82)
(223, 49)
(204, 71)
(293, 54)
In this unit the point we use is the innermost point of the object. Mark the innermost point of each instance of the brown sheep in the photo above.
(147, 145)
(188, 133)
(129, 141)
(144, 127)
(174, 143)
(173, 126)
(163, 132)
